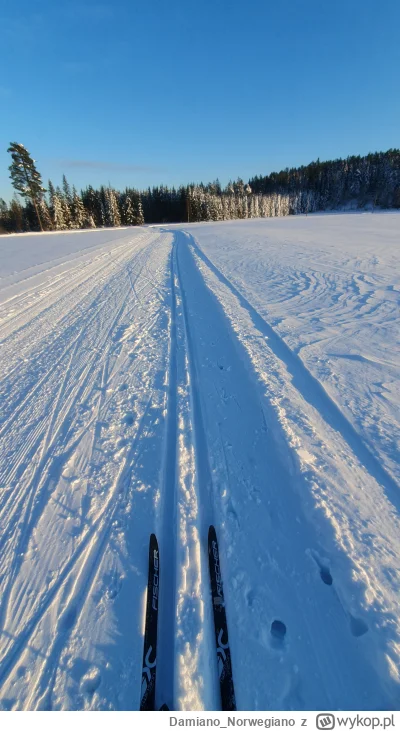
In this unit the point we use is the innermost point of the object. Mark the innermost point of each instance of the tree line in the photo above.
(372, 180)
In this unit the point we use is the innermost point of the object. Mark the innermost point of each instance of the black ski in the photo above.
(228, 701)
(147, 699)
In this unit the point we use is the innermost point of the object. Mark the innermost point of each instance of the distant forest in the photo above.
(372, 181)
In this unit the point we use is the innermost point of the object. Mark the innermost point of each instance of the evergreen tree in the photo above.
(45, 215)
(138, 212)
(66, 202)
(16, 216)
(63, 210)
(89, 221)
(52, 192)
(4, 216)
(58, 212)
(78, 213)
(372, 180)
(112, 213)
(67, 191)
(25, 178)
(128, 214)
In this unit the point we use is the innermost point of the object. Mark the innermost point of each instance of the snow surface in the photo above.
(161, 379)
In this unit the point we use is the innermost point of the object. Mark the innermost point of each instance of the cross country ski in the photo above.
(227, 690)
(148, 690)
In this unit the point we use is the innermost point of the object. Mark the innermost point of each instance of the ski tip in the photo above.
(164, 707)
(212, 532)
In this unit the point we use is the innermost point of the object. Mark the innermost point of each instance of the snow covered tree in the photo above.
(89, 221)
(238, 187)
(78, 213)
(138, 212)
(25, 178)
(67, 190)
(113, 217)
(45, 215)
(128, 214)
(66, 197)
(56, 208)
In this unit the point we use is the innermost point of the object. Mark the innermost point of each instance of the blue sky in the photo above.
(173, 91)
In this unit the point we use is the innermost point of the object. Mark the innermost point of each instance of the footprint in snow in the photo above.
(326, 575)
(358, 627)
(324, 570)
(278, 634)
(69, 619)
(251, 598)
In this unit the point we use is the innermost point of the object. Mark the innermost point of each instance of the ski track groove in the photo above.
(181, 370)
(165, 688)
(201, 448)
(204, 488)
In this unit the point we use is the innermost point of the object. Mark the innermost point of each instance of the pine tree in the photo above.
(78, 213)
(4, 216)
(58, 212)
(63, 211)
(45, 215)
(66, 202)
(16, 216)
(113, 217)
(25, 178)
(51, 191)
(67, 191)
(138, 212)
(89, 221)
(128, 215)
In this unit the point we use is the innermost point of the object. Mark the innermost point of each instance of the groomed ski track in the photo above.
(143, 392)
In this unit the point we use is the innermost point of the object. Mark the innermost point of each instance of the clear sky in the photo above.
(174, 91)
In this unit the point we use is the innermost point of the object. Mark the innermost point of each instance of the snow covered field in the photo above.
(244, 374)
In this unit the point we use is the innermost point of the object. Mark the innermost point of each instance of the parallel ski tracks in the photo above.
(58, 288)
(185, 507)
(94, 541)
(56, 438)
(167, 599)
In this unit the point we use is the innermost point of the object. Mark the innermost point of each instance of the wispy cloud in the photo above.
(104, 165)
